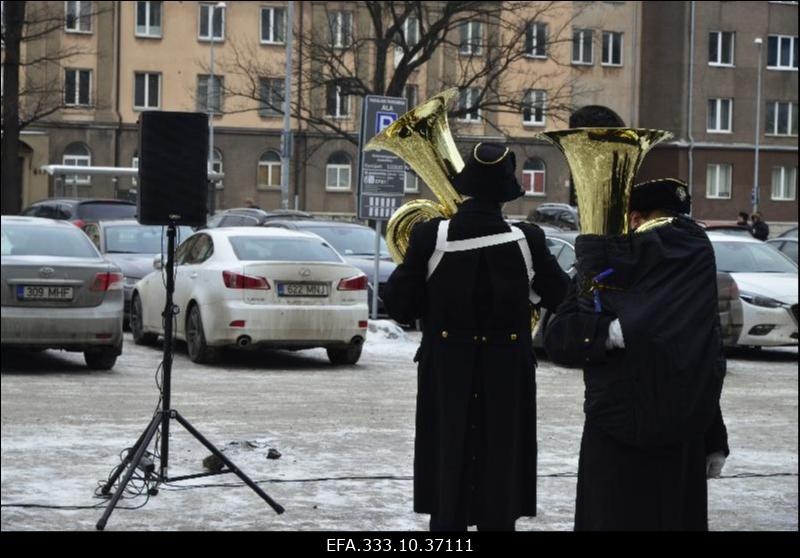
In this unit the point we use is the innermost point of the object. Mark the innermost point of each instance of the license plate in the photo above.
(44, 292)
(303, 289)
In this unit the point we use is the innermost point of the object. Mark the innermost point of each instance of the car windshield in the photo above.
(264, 248)
(751, 257)
(97, 211)
(36, 240)
(350, 241)
(140, 239)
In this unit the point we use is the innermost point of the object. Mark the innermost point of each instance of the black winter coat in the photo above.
(475, 446)
(652, 409)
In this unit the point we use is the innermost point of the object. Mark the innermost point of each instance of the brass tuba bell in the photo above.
(422, 138)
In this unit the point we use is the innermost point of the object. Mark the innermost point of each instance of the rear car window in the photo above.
(139, 239)
(65, 242)
(98, 211)
(260, 248)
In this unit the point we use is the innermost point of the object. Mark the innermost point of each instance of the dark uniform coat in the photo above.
(652, 409)
(475, 447)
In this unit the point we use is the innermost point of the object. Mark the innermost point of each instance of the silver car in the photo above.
(58, 292)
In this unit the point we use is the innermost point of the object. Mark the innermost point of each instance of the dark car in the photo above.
(80, 211)
(252, 217)
(560, 215)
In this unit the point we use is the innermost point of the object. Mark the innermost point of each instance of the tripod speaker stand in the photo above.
(163, 416)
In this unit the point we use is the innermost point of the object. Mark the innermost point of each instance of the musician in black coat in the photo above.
(470, 280)
(647, 336)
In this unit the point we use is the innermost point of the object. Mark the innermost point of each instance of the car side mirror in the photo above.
(157, 262)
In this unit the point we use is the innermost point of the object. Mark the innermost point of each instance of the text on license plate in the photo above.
(303, 289)
(43, 292)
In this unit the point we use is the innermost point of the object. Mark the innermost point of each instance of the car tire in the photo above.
(102, 359)
(140, 337)
(345, 355)
(196, 345)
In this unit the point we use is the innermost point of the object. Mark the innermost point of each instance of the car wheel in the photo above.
(100, 359)
(346, 355)
(140, 337)
(196, 346)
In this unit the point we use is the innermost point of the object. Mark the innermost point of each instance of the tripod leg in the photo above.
(143, 442)
(234, 469)
(107, 487)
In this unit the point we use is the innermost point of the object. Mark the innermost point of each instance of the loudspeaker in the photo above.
(173, 168)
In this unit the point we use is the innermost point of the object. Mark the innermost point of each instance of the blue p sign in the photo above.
(383, 120)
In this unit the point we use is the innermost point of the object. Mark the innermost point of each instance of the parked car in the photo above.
(252, 217)
(256, 286)
(132, 247)
(734, 229)
(767, 284)
(561, 215)
(356, 243)
(58, 292)
(790, 233)
(786, 245)
(81, 210)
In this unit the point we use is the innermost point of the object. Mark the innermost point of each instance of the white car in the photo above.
(257, 286)
(767, 282)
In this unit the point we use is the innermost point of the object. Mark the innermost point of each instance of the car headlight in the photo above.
(758, 300)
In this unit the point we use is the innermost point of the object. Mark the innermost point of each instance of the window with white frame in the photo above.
(77, 88)
(533, 175)
(340, 25)
(269, 170)
(78, 17)
(718, 181)
(534, 107)
(146, 91)
(412, 182)
(337, 172)
(411, 93)
(468, 100)
(720, 48)
(212, 23)
(784, 183)
(536, 40)
(582, 46)
(409, 35)
(612, 48)
(148, 19)
(77, 155)
(337, 104)
(135, 165)
(273, 25)
(209, 97)
(782, 52)
(216, 166)
(781, 119)
(719, 115)
(271, 96)
(471, 38)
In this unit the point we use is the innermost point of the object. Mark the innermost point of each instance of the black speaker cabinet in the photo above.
(173, 168)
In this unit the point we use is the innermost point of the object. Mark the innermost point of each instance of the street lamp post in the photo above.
(209, 93)
(756, 190)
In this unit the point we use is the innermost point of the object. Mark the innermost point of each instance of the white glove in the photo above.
(714, 464)
(615, 338)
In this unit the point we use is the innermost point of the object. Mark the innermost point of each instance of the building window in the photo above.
(720, 48)
(78, 17)
(77, 155)
(719, 115)
(148, 19)
(409, 36)
(209, 99)
(338, 104)
(337, 173)
(216, 166)
(340, 25)
(781, 119)
(534, 107)
(536, 40)
(582, 46)
(273, 26)
(147, 91)
(470, 42)
(784, 183)
(612, 49)
(718, 181)
(533, 174)
(269, 170)
(412, 182)
(271, 97)
(411, 93)
(135, 165)
(212, 23)
(782, 52)
(78, 88)
(468, 101)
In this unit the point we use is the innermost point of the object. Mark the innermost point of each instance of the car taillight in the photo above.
(79, 223)
(234, 280)
(357, 283)
(107, 281)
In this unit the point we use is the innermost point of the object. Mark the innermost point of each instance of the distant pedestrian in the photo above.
(249, 203)
(742, 221)
(760, 228)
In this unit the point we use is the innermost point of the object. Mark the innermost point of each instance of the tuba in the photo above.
(422, 138)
